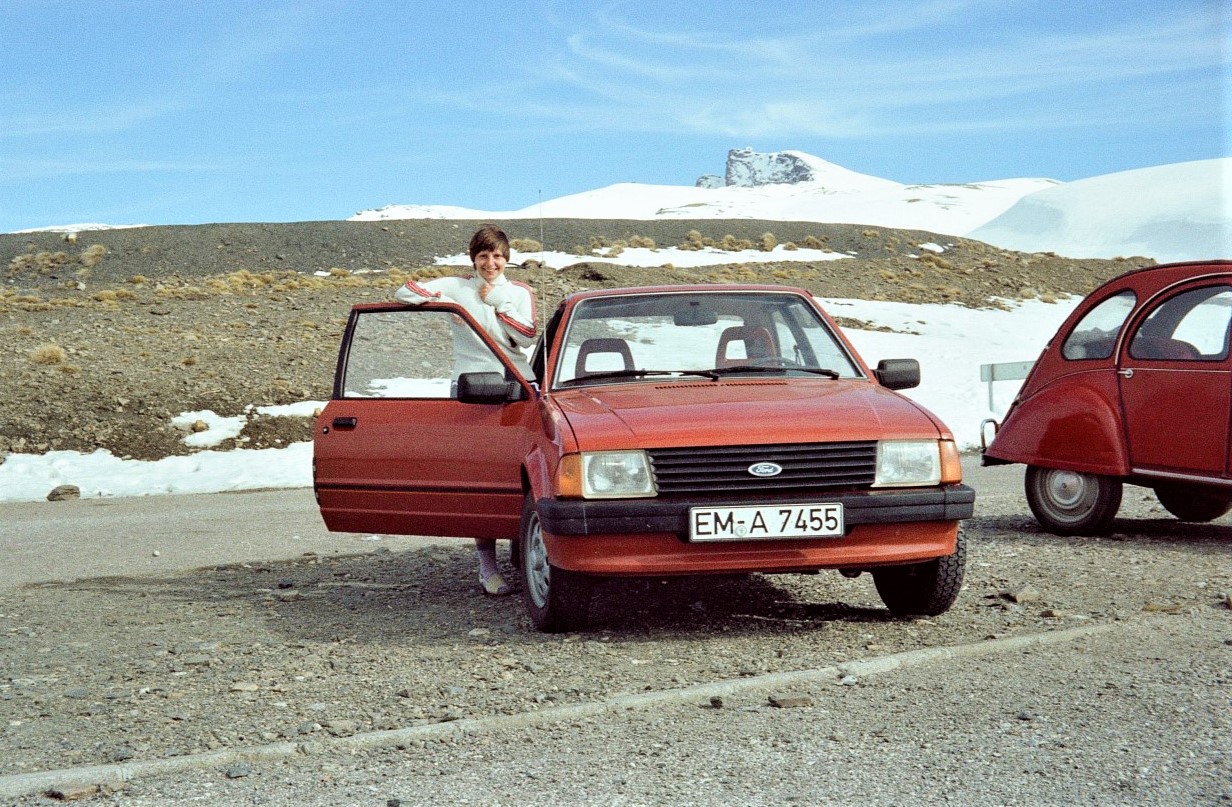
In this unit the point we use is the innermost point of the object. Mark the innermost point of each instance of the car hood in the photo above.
(748, 412)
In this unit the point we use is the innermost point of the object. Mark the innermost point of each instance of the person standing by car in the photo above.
(505, 309)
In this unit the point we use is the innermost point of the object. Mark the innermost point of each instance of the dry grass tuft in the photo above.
(694, 240)
(935, 260)
(733, 244)
(49, 354)
(92, 255)
(526, 245)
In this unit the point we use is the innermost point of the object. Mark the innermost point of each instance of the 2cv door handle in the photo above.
(345, 422)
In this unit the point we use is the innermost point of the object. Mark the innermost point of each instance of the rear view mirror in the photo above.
(487, 388)
(898, 373)
(694, 313)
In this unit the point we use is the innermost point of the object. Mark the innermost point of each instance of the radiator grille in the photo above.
(725, 469)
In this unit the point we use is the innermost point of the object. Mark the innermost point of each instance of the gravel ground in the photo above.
(317, 650)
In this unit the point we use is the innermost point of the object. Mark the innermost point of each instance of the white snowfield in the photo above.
(1171, 213)
(1176, 212)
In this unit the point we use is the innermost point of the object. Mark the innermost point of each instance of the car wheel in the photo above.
(923, 589)
(1192, 504)
(557, 599)
(1071, 502)
(515, 554)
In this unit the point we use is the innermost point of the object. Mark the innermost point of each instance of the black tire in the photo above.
(1195, 504)
(515, 554)
(1071, 502)
(557, 600)
(923, 589)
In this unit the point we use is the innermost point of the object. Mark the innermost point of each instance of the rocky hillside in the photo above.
(113, 334)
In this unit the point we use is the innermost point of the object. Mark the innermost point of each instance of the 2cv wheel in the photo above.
(556, 599)
(1190, 503)
(1071, 502)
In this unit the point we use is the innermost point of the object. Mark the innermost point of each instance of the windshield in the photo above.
(698, 334)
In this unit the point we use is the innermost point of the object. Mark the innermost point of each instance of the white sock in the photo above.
(487, 558)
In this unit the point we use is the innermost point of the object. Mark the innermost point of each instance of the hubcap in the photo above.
(536, 559)
(1067, 489)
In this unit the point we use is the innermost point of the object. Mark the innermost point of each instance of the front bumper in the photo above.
(625, 516)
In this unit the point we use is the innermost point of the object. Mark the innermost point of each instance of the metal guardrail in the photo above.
(1004, 371)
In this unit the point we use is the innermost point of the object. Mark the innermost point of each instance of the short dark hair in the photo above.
(489, 237)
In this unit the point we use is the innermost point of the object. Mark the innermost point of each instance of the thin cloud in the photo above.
(823, 82)
(97, 120)
(25, 170)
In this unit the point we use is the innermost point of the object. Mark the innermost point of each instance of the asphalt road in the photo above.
(1132, 711)
(85, 538)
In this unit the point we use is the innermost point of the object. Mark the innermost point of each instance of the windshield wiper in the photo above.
(759, 368)
(617, 374)
(636, 374)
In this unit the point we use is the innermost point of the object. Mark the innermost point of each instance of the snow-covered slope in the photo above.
(1171, 212)
(1181, 211)
(775, 186)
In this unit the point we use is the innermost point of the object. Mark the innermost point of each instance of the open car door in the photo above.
(395, 451)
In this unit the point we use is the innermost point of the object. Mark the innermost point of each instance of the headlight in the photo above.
(605, 475)
(908, 462)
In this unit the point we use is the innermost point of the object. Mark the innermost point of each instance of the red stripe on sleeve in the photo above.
(420, 290)
(525, 330)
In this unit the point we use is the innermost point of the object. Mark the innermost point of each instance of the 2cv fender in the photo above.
(1071, 423)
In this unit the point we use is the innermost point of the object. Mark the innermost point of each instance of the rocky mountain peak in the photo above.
(748, 168)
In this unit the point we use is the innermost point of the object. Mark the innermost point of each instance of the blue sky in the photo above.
(178, 112)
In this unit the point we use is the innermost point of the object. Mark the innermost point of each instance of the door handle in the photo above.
(345, 422)
(1127, 372)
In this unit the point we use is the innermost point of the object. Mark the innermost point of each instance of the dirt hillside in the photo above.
(113, 333)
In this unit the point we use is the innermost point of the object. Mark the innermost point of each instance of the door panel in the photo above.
(395, 453)
(1176, 384)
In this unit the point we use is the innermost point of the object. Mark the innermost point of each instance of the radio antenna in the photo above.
(542, 245)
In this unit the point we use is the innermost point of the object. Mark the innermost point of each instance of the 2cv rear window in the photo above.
(1095, 335)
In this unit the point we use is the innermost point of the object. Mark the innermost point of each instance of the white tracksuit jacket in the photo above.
(508, 315)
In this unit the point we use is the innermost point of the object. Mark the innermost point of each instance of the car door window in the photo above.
(411, 353)
(1191, 326)
(1095, 335)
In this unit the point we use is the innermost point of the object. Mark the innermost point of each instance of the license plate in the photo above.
(765, 521)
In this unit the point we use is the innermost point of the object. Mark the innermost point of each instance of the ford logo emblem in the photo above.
(765, 469)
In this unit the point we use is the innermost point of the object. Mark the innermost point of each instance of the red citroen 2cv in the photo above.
(1135, 387)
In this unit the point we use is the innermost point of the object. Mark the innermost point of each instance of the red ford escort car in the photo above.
(674, 430)
(1136, 387)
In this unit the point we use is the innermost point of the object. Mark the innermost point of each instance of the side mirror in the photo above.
(487, 388)
(898, 373)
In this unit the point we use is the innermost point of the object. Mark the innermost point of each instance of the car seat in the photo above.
(756, 340)
(1166, 349)
(606, 345)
